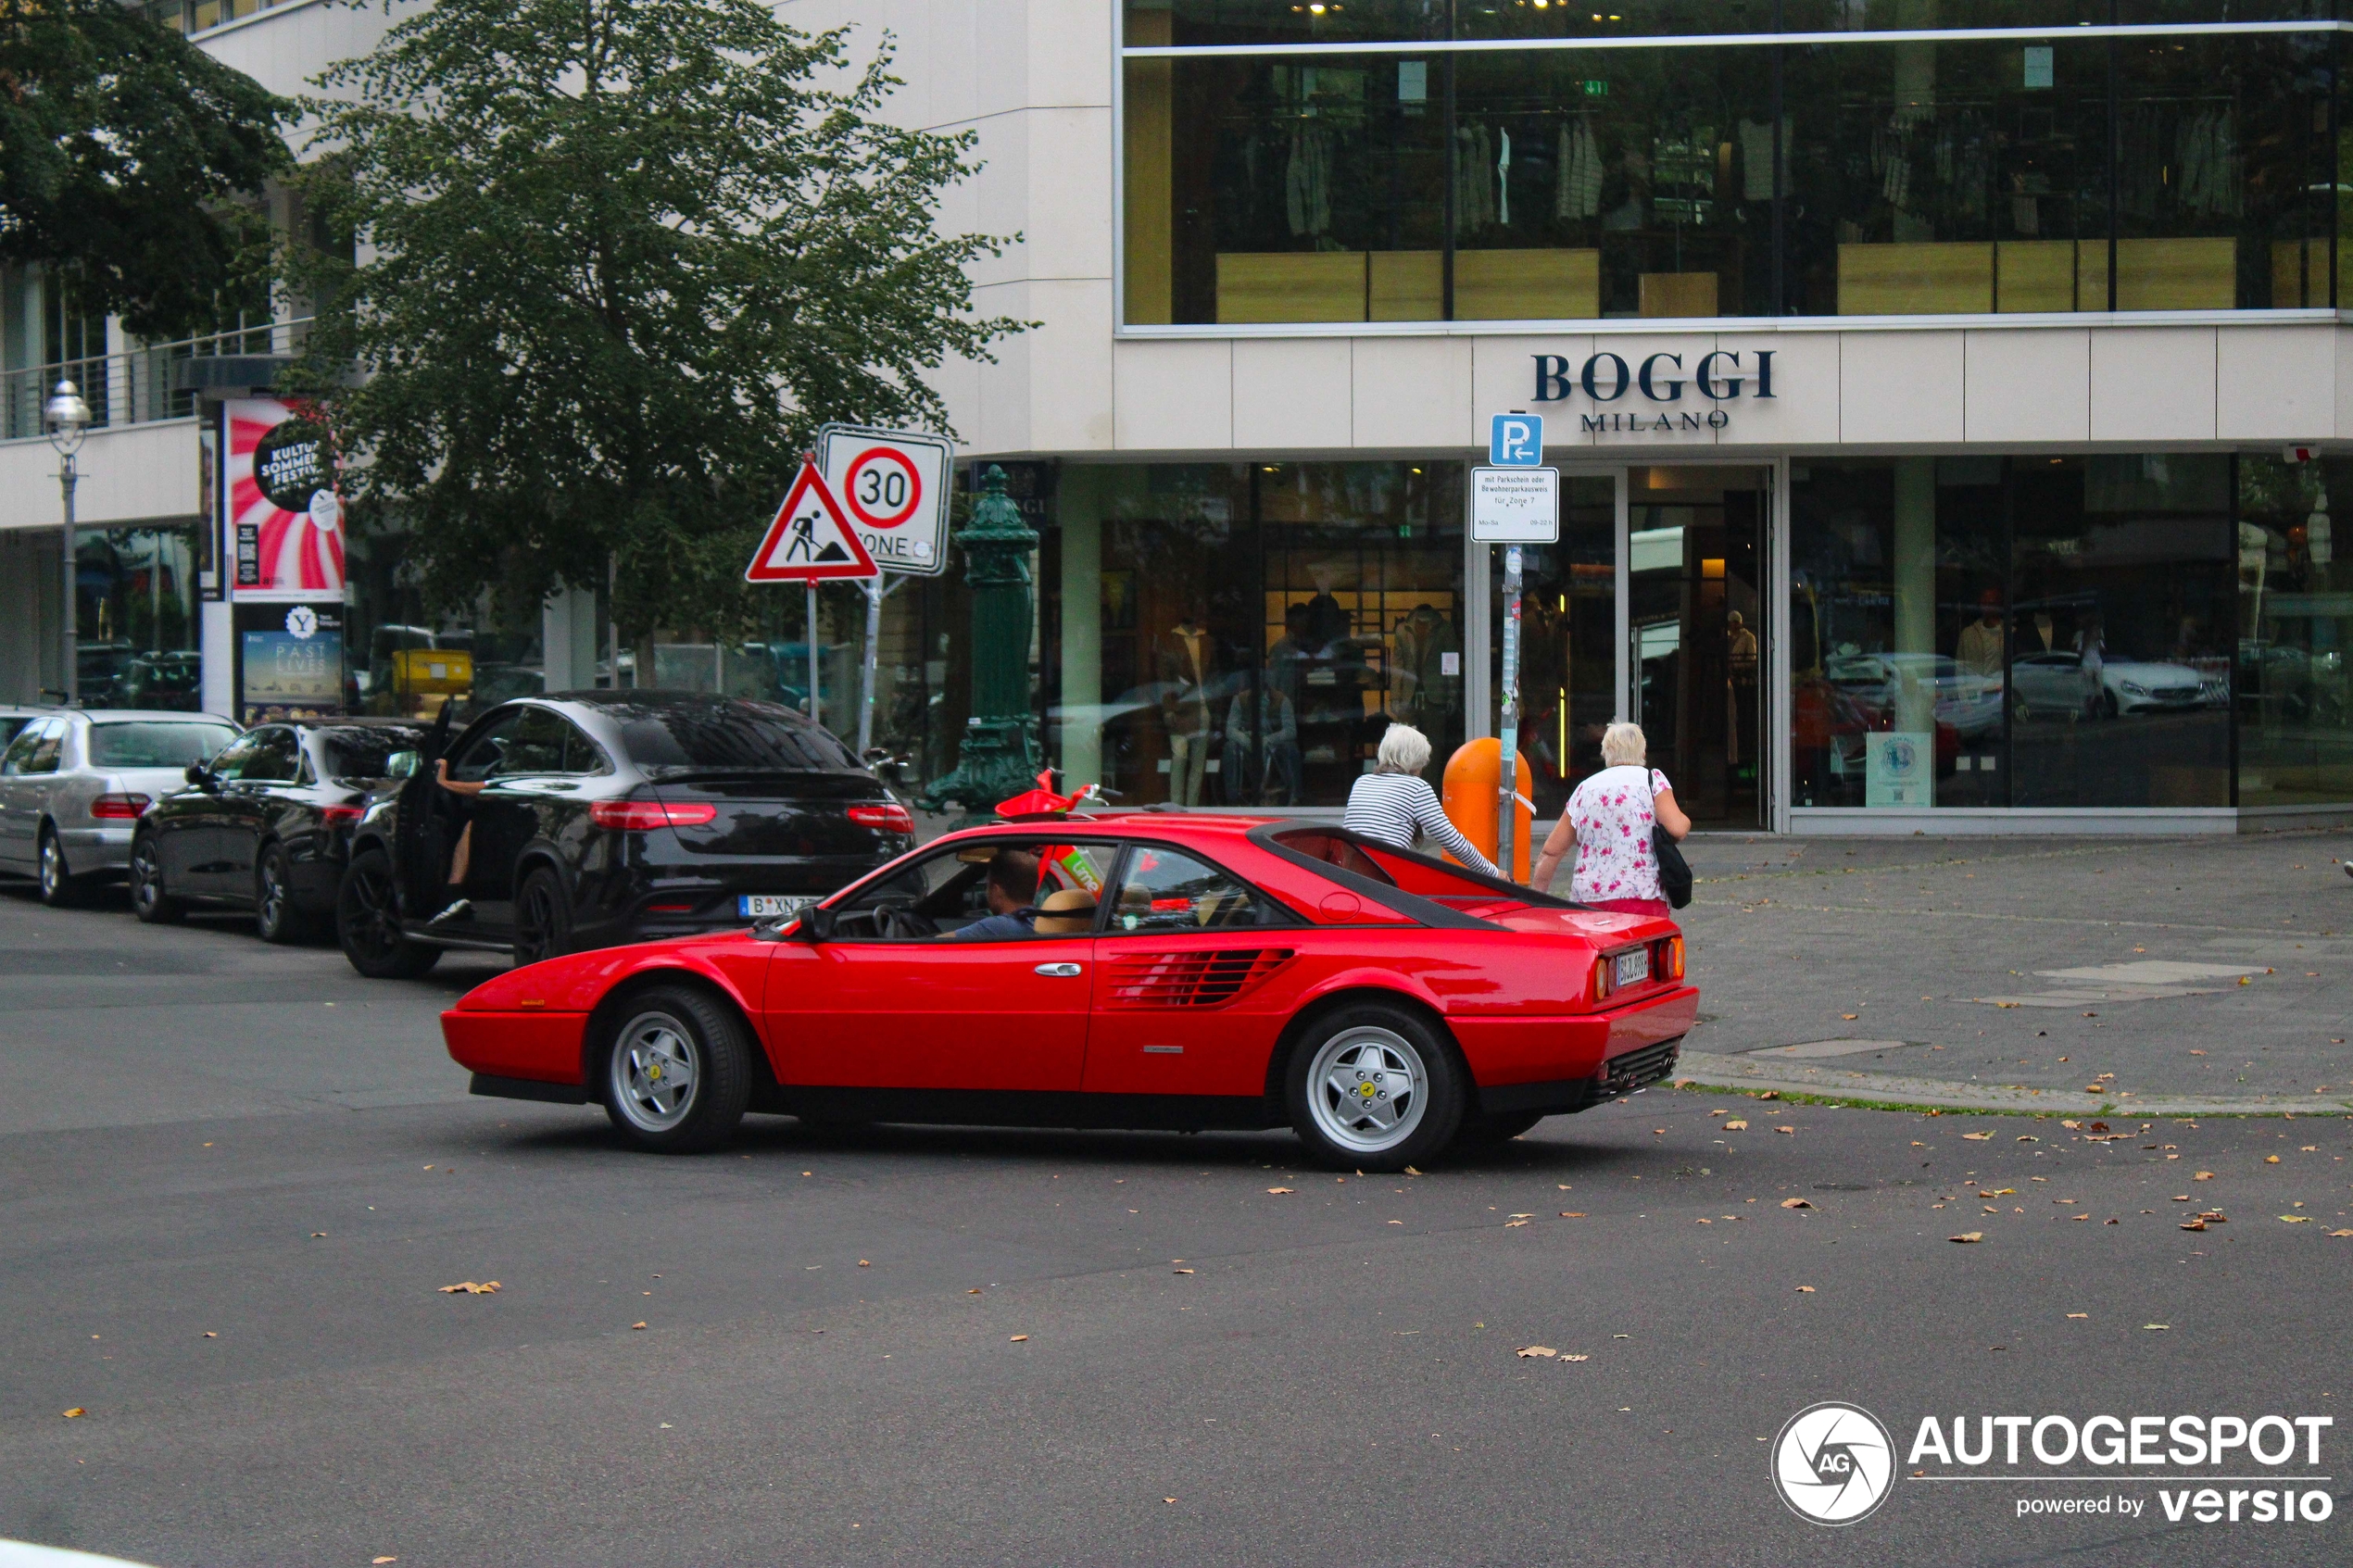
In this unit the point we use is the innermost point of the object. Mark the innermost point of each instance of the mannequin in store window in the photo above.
(1740, 684)
(1979, 649)
(1328, 623)
(1262, 748)
(1187, 656)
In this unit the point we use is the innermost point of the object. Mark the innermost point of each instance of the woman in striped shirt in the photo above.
(1394, 803)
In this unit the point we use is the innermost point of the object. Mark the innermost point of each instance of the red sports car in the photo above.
(1186, 973)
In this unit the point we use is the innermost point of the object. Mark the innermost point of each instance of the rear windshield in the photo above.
(730, 737)
(363, 753)
(156, 743)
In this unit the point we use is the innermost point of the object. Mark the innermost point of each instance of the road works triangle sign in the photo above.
(811, 539)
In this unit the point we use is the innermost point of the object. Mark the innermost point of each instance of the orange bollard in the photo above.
(1470, 799)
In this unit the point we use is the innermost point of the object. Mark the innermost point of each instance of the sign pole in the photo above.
(814, 717)
(1507, 807)
(874, 636)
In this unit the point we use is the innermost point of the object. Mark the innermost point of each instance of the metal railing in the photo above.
(133, 387)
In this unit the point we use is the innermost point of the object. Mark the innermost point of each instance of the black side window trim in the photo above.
(1285, 919)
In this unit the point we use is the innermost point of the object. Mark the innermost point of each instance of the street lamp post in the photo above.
(67, 419)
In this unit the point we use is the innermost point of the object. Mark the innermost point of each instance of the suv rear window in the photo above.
(730, 736)
(160, 743)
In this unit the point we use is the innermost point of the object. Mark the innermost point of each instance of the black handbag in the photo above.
(1674, 871)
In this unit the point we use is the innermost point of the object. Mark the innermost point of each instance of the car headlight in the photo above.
(2134, 688)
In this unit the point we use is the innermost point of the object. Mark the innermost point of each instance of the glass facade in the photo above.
(1846, 173)
(135, 616)
(2296, 633)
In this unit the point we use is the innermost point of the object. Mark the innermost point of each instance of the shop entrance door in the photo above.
(1694, 562)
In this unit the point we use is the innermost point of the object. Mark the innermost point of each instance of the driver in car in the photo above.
(1012, 884)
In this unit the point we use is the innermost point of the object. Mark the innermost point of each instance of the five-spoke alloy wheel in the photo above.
(677, 1074)
(150, 900)
(1374, 1088)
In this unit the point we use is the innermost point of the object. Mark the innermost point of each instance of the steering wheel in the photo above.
(897, 922)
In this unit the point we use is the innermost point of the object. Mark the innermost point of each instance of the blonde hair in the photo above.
(1404, 749)
(1623, 745)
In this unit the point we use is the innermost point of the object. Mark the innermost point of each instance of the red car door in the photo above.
(927, 1012)
(1181, 1000)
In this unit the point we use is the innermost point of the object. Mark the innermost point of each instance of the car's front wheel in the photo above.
(677, 1075)
(368, 923)
(150, 900)
(543, 918)
(276, 916)
(1374, 1088)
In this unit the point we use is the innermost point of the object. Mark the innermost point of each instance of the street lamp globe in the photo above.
(66, 418)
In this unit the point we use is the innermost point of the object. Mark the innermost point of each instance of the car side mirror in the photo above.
(816, 926)
(402, 764)
(198, 776)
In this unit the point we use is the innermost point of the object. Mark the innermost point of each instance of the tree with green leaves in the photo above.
(616, 262)
(123, 151)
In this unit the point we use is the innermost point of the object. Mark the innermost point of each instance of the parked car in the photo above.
(610, 817)
(74, 784)
(1235, 973)
(1960, 699)
(2057, 684)
(266, 823)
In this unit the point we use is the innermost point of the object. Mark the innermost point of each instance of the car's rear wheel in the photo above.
(368, 923)
(543, 918)
(678, 1073)
(275, 914)
(149, 899)
(56, 878)
(1373, 1087)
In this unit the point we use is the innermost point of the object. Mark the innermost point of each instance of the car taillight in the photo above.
(118, 808)
(1601, 979)
(892, 818)
(643, 816)
(338, 816)
(1667, 960)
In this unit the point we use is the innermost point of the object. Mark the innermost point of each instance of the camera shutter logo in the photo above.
(1833, 1463)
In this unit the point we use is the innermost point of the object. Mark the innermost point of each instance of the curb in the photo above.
(1731, 1074)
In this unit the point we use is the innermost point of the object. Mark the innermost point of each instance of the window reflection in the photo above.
(135, 614)
(2294, 704)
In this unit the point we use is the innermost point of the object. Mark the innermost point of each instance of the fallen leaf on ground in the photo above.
(2156, 1325)
(468, 1288)
(1411, 1172)
(73, 1414)
(1770, 1094)
(2194, 1224)
(2271, 1160)
(209, 1335)
(2341, 1233)
(863, 1264)
(2203, 1176)
(1572, 1214)
(1785, 1129)
(1967, 1235)
(1181, 1270)
(1525, 1351)
(1977, 1137)
(637, 1325)
(380, 1561)
(1281, 1190)
(2028, 1138)
(1018, 1338)
(2296, 1219)
(1797, 1203)
(1736, 1126)
(1576, 1358)
(2079, 1314)
(1805, 1290)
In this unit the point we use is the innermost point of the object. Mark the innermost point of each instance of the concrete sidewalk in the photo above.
(2051, 975)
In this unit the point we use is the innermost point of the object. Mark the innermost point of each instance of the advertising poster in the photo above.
(284, 518)
(289, 662)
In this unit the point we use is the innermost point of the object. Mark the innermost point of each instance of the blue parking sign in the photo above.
(1516, 441)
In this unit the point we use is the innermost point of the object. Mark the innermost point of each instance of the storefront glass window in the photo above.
(135, 613)
(2295, 704)
(1918, 176)
(1256, 626)
(2020, 632)
(1567, 642)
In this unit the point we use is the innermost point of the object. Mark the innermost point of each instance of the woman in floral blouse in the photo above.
(1608, 823)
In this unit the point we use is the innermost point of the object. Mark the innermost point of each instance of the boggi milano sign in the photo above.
(1609, 379)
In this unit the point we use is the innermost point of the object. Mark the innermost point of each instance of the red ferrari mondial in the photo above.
(1190, 973)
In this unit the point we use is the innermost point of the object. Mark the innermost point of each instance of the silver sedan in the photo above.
(74, 783)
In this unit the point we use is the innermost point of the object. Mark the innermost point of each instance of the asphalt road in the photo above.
(240, 1175)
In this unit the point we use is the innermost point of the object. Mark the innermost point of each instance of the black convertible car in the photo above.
(605, 817)
(266, 823)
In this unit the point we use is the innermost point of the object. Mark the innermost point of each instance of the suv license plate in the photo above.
(771, 906)
(1630, 968)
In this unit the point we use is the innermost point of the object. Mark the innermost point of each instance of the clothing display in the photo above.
(1757, 157)
(2207, 146)
(1504, 178)
(1577, 176)
(1474, 178)
(1307, 182)
(1185, 660)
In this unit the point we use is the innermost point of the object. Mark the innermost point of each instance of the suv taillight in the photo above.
(118, 808)
(643, 816)
(892, 818)
(338, 816)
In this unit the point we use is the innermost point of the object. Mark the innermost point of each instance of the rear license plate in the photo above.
(1630, 968)
(771, 906)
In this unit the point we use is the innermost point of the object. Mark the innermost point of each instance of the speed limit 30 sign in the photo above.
(894, 485)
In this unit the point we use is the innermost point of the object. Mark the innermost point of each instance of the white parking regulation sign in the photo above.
(894, 485)
(1515, 505)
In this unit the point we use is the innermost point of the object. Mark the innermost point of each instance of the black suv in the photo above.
(607, 817)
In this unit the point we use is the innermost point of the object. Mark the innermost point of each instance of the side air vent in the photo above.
(1188, 980)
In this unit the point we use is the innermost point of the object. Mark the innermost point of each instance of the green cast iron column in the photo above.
(999, 758)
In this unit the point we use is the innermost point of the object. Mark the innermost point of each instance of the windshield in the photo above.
(729, 736)
(363, 754)
(159, 743)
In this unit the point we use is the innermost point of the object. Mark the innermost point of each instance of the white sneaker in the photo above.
(462, 907)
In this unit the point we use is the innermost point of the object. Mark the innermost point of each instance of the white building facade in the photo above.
(1951, 401)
